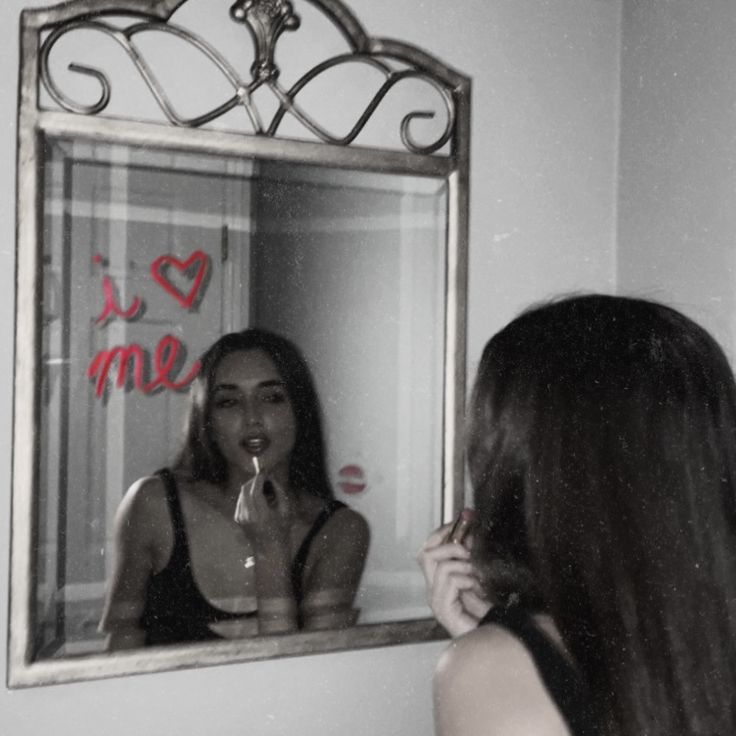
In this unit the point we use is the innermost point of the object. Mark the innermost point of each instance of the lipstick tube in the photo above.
(461, 527)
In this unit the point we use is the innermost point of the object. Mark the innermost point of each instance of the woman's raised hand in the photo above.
(264, 510)
(454, 592)
(266, 514)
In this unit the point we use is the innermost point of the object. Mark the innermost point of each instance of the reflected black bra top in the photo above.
(563, 682)
(175, 610)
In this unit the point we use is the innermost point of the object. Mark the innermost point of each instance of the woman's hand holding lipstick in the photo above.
(263, 508)
(265, 513)
(454, 592)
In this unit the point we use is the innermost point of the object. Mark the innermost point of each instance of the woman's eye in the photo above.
(274, 397)
(225, 403)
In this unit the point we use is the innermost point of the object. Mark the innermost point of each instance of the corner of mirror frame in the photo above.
(33, 124)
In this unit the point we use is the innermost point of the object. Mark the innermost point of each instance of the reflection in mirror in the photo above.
(317, 192)
(149, 257)
(242, 536)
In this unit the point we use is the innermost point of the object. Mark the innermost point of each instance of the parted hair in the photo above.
(602, 453)
(200, 456)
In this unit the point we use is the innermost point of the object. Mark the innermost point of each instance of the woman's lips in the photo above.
(256, 445)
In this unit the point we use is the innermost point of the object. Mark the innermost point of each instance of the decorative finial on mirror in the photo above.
(266, 20)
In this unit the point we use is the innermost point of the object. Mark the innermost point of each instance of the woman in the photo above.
(242, 535)
(602, 452)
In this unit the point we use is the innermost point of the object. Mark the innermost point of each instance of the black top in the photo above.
(175, 610)
(564, 683)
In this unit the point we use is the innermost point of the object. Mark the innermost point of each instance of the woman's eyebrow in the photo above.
(272, 382)
(268, 383)
(226, 387)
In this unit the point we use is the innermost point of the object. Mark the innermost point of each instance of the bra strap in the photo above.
(563, 682)
(300, 559)
(177, 516)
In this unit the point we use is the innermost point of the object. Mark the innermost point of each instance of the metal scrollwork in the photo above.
(266, 21)
(288, 104)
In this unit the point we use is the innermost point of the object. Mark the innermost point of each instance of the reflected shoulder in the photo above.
(350, 524)
(145, 500)
(486, 682)
(148, 489)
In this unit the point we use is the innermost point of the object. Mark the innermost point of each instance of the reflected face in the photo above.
(251, 413)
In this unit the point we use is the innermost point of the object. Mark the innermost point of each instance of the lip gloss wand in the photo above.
(241, 515)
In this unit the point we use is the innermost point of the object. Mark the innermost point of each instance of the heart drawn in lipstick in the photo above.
(195, 267)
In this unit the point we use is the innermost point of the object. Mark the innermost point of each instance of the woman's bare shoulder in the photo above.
(481, 655)
(144, 500)
(347, 524)
(486, 682)
(339, 550)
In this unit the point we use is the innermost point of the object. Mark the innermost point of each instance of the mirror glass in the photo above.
(150, 255)
(314, 187)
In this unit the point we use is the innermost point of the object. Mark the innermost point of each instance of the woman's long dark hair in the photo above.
(200, 457)
(602, 451)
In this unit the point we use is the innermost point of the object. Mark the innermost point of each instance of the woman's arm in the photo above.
(137, 522)
(331, 577)
(277, 611)
(267, 518)
(334, 570)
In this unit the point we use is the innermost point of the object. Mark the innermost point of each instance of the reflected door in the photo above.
(146, 261)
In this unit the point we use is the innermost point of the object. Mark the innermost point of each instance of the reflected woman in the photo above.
(242, 535)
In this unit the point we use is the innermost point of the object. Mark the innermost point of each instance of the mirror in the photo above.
(142, 242)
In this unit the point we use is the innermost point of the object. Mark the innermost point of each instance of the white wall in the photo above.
(546, 77)
(677, 200)
(545, 100)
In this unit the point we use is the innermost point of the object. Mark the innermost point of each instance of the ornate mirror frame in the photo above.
(265, 20)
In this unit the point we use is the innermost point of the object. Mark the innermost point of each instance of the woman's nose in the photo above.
(252, 414)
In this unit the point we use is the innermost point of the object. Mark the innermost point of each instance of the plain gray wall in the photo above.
(677, 219)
